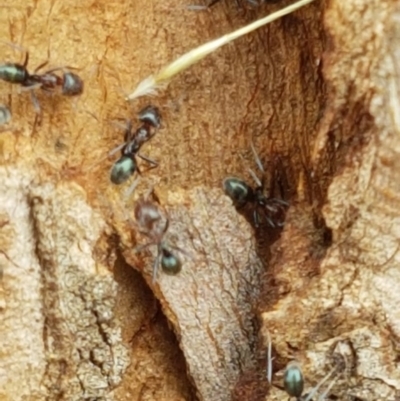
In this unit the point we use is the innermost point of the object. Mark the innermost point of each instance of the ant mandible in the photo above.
(126, 165)
(71, 84)
(242, 194)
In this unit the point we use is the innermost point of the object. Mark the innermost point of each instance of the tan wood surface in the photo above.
(316, 92)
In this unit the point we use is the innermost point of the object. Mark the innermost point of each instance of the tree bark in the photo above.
(316, 92)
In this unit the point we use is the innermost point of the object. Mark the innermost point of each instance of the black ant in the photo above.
(126, 165)
(71, 84)
(293, 383)
(154, 225)
(242, 194)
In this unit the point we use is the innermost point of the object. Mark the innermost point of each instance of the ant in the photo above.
(242, 194)
(71, 84)
(293, 383)
(126, 165)
(154, 225)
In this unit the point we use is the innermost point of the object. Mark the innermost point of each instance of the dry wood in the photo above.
(318, 94)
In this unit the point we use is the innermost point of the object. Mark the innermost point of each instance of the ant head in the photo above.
(147, 214)
(72, 84)
(151, 116)
(293, 381)
(237, 190)
(170, 264)
(122, 169)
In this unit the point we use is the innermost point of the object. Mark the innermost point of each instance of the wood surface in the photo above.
(317, 92)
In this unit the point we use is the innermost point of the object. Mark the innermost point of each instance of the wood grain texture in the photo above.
(317, 93)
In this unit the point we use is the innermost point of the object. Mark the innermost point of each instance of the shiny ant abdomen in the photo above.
(14, 73)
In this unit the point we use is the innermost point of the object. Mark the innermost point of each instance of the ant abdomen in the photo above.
(239, 192)
(72, 84)
(122, 169)
(170, 264)
(13, 73)
(293, 381)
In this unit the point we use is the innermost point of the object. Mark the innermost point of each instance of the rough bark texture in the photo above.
(318, 94)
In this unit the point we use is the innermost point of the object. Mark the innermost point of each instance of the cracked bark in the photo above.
(317, 92)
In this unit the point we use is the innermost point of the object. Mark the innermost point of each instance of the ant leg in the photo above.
(260, 183)
(271, 223)
(140, 248)
(275, 205)
(109, 154)
(26, 59)
(156, 263)
(41, 66)
(62, 68)
(195, 7)
(331, 384)
(281, 202)
(166, 225)
(150, 161)
(256, 218)
(315, 389)
(118, 124)
(116, 149)
(128, 136)
(269, 359)
(256, 179)
(212, 2)
(182, 251)
(38, 110)
(132, 187)
(256, 157)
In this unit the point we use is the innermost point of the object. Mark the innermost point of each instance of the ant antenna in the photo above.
(256, 157)
(269, 359)
(331, 384)
(315, 389)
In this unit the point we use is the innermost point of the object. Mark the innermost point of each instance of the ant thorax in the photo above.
(48, 81)
(141, 136)
(131, 148)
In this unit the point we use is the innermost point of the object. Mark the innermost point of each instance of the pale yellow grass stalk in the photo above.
(149, 85)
